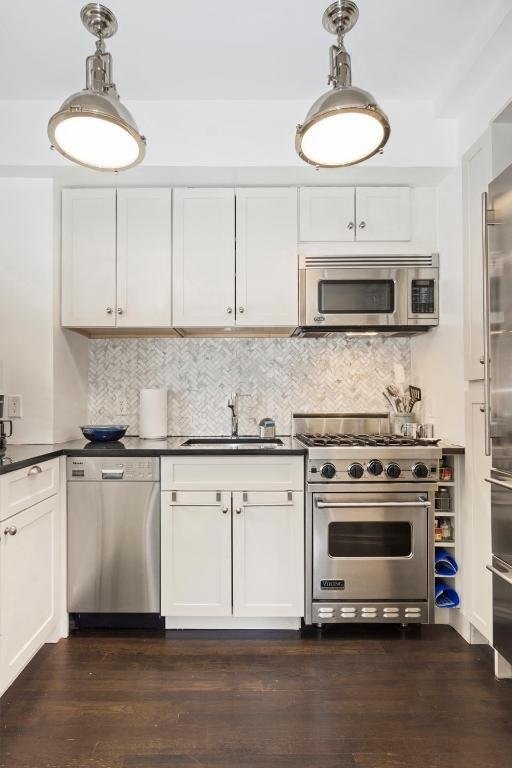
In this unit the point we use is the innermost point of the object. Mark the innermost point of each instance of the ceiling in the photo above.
(269, 49)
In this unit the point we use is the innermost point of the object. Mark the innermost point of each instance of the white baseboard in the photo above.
(502, 668)
(229, 622)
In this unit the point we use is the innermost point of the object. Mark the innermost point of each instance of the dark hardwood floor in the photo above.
(352, 698)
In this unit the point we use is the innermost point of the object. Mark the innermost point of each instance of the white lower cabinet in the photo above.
(28, 585)
(232, 553)
(268, 554)
(196, 554)
(477, 544)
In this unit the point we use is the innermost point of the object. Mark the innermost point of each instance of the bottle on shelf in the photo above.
(445, 471)
(446, 530)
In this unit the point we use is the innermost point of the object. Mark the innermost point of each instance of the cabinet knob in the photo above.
(229, 310)
(109, 310)
(225, 510)
(238, 510)
(34, 470)
(241, 310)
(11, 530)
(362, 224)
(120, 310)
(350, 225)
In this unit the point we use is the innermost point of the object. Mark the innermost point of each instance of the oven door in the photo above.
(370, 546)
(354, 297)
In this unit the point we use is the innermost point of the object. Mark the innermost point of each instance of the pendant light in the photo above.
(92, 127)
(345, 125)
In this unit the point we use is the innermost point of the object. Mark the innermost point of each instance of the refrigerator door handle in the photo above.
(500, 483)
(486, 325)
(506, 576)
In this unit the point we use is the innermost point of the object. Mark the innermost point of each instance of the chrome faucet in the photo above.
(234, 406)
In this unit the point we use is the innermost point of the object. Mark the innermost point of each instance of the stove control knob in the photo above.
(375, 467)
(393, 471)
(328, 471)
(356, 471)
(420, 470)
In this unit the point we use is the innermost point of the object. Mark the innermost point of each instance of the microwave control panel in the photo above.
(423, 297)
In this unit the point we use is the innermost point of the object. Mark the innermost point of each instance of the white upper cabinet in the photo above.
(383, 214)
(116, 258)
(144, 258)
(89, 257)
(266, 257)
(203, 257)
(327, 214)
(477, 174)
(364, 214)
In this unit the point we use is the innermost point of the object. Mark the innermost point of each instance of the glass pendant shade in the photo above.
(97, 131)
(345, 126)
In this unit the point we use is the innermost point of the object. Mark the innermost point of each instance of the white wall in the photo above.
(438, 356)
(26, 306)
(229, 133)
(47, 367)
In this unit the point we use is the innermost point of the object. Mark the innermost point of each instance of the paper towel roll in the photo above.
(153, 414)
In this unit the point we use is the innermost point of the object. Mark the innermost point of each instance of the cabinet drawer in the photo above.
(232, 473)
(25, 487)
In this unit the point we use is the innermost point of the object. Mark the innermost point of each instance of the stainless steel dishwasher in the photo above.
(113, 535)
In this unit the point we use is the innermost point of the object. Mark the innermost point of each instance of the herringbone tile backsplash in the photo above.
(281, 375)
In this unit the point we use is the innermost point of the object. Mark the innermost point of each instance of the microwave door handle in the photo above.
(370, 504)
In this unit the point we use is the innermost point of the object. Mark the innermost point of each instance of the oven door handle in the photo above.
(370, 504)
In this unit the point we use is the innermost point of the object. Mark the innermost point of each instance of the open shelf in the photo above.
(444, 543)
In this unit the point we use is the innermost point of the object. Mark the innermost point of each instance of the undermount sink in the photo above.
(232, 442)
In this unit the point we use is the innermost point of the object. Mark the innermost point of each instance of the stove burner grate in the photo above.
(339, 440)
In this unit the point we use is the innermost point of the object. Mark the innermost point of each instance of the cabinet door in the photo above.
(268, 554)
(478, 537)
(28, 584)
(196, 554)
(327, 214)
(203, 275)
(476, 169)
(144, 258)
(266, 257)
(89, 257)
(383, 214)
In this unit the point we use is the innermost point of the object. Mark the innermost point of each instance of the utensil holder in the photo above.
(399, 419)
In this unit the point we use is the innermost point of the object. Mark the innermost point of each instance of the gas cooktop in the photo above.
(360, 448)
(336, 440)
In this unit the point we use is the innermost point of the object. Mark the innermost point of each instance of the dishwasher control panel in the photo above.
(113, 468)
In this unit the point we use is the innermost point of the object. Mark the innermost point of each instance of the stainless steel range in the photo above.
(369, 520)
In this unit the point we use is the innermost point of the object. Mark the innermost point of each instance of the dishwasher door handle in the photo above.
(370, 504)
(112, 474)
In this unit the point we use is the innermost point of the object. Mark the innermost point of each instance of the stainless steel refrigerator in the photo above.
(497, 241)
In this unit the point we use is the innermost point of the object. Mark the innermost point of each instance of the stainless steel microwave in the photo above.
(394, 293)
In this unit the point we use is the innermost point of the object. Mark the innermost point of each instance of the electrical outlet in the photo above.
(14, 407)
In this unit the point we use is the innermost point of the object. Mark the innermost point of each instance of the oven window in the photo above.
(370, 539)
(349, 297)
